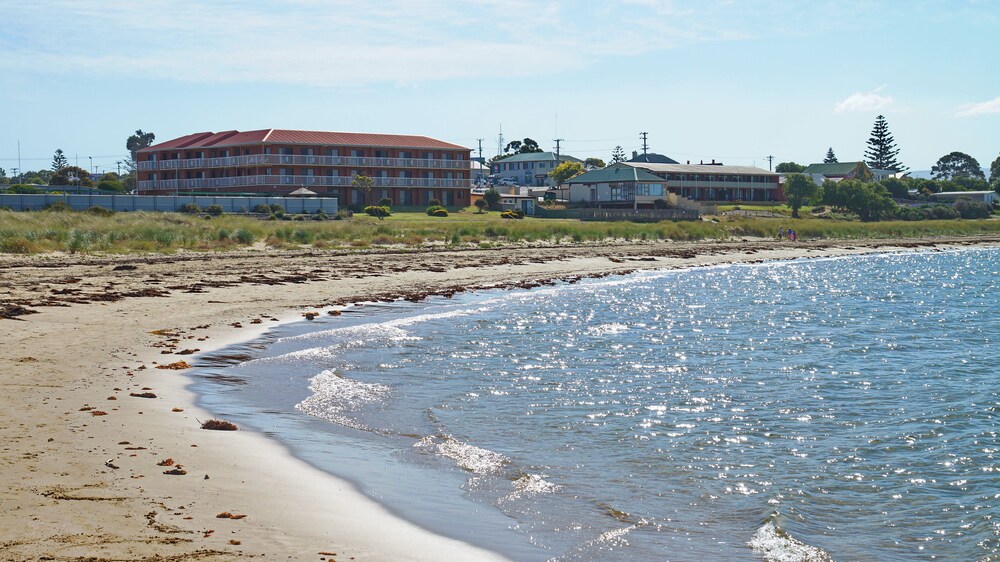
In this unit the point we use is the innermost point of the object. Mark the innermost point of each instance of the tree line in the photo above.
(61, 173)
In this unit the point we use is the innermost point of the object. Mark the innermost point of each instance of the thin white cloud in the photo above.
(970, 109)
(859, 101)
(346, 43)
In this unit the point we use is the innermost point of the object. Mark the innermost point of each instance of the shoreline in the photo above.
(89, 340)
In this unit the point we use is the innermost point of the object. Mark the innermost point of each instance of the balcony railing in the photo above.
(297, 181)
(299, 160)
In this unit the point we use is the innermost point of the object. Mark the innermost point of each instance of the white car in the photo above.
(507, 181)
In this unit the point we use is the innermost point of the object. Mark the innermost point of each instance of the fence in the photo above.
(166, 203)
(638, 215)
(556, 213)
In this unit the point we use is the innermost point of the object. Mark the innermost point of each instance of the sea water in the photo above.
(813, 409)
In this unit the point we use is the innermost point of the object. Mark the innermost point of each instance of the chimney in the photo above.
(635, 155)
(713, 161)
(689, 162)
(701, 161)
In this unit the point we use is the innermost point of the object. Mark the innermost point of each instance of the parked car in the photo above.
(507, 181)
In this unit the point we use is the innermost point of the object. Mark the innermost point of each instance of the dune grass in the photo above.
(121, 233)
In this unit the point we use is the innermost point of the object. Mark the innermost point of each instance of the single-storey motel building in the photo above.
(407, 169)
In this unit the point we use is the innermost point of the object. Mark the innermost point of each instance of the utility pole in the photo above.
(769, 160)
(643, 135)
(481, 150)
(119, 164)
(500, 141)
(557, 141)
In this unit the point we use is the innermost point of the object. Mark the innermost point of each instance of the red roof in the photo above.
(285, 136)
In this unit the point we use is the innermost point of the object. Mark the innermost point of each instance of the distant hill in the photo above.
(929, 175)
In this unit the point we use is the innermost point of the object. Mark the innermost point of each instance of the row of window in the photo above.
(328, 172)
(720, 178)
(309, 151)
(508, 166)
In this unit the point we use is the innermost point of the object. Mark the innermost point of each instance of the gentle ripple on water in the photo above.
(841, 406)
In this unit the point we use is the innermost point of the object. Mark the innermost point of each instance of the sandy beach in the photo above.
(91, 424)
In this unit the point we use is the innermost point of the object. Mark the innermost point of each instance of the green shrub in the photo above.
(343, 214)
(58, 207)
(244, 236)
(512, 214)
(434, 203)
(378, 210)
(214, 210)
(15, 245)
(99, 211)
(23, 189)
(385, 202)
(437, 211)
(969, 209)
(190, 208)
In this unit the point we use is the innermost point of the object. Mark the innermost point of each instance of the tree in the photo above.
(882, 151)
(522, 147)
(492, 198)
(565, 171)
(59, 160)
(896, 187)
(994, 172)
(870, 201)
(598, 163)
(799, 190)
(72, 175)
(957, 165)
(3, 176)
(365, 184)
(617, 155)
(481, 205)
(138, 141)
(831, 158)
(110, 184)
(789, 168)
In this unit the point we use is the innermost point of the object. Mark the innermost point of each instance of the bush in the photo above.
(58, 206)
(969, 209)
(659, 203)
(481, 204)
(512, 214)
(343, 214)
(244, 236)
(385, 202)
(15, 245)
(378, 210)
(434, 203)
(214, 210)
(24, 189)
(100, 211)
(437, 211)
(190, 208)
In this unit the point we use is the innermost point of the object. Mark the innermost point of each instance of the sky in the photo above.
(730, 80)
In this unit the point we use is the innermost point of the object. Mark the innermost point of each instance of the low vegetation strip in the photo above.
(123, 233)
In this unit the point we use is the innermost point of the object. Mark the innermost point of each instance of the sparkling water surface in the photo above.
(843, 408)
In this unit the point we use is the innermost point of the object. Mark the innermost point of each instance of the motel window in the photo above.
(308, 152)
(267, 150)
(332, 152)
(285, 151)
(357, 153)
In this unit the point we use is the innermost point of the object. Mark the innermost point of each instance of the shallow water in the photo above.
(843, 407)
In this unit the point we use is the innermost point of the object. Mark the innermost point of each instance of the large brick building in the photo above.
(409, 170)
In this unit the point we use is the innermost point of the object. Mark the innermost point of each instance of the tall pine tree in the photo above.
(882, 151)
(59, 160)
(831, 158)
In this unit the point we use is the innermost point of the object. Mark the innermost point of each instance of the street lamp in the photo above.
(91, 164)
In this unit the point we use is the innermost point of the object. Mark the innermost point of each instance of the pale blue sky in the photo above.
(731, 80)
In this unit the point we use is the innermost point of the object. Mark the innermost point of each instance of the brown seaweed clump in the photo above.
(175, 366)
(219, 425)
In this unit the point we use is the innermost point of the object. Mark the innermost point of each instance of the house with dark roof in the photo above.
(651, 158)
(407, 169)
(618, 185)
(841, 171)
(531, 168)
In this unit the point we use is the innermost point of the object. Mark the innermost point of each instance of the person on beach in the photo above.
(781, 232)
(795, 236)
(789, 234)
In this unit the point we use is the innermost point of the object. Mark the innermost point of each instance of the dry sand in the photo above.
(80, 455)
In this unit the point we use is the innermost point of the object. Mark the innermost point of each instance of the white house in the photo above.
(531, 168)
